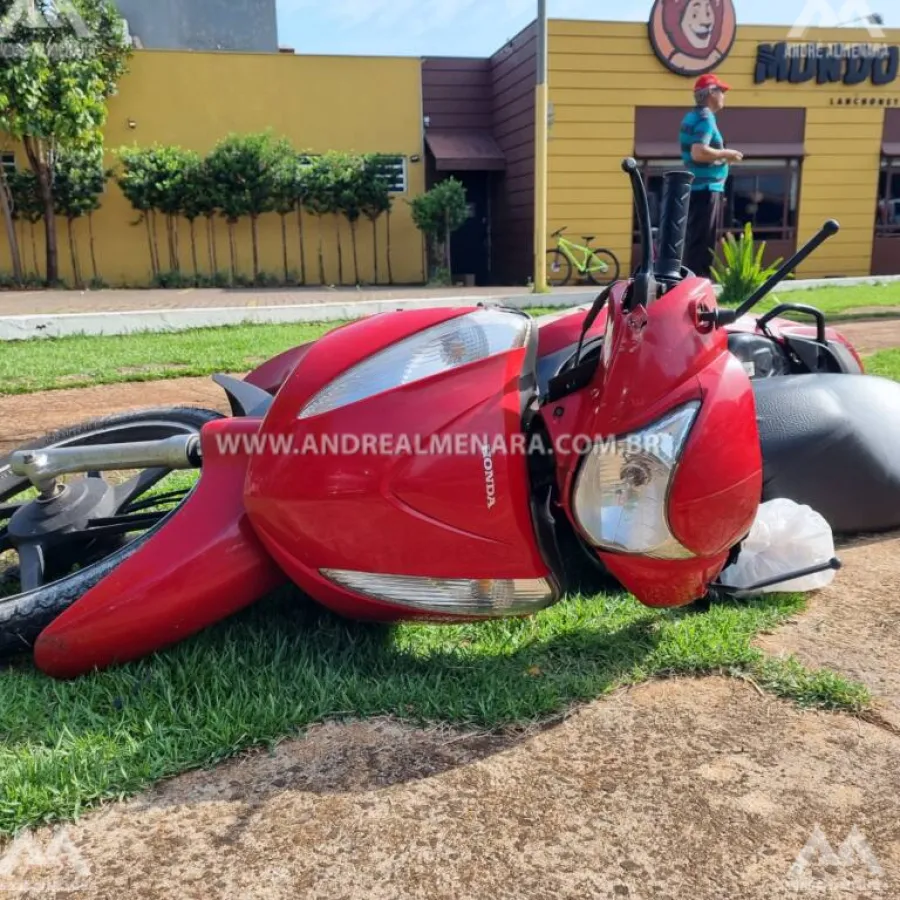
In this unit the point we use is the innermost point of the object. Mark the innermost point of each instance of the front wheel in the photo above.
(54, 551)
(603, 267)
(559, 268)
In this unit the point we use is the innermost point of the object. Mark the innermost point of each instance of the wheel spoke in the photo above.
(157, 500)
(135, 487)
(31, 566)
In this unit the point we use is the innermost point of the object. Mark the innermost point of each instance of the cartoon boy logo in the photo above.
(692, 37)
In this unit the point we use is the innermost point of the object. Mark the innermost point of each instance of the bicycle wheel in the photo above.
(559, 268)
(603, 267)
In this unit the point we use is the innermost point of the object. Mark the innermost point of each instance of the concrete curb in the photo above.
(27, 327)
(21, 328)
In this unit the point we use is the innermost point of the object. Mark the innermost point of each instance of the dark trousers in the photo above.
(703, 222)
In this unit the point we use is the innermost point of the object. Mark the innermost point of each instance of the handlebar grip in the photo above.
(673, 224)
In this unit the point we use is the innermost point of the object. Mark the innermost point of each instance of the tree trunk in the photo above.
(254, 238)
(6, 203)
(34, 256)
(375, 246)
(41, 168)
(449, 261)
(233, 252)
(321, 255)
(284, 252)
(337, 228)
(170, 240)
(390, 269)
(154, 268)
(302, 246)
(355, 257)
(175, 246)
(154, 240)
(211, 246)
(76, 268)
(194, 250)
(94, 267)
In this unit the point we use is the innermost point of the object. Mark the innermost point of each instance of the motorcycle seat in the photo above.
(832, 442)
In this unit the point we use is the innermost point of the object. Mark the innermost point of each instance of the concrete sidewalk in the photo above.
(61, 313)
(30, 314)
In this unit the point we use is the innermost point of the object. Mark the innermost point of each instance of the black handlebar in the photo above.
(673, 224)
(644, 288)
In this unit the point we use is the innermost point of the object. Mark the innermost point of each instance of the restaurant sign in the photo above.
(846, 64)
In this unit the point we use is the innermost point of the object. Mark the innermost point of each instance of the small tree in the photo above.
(245, 170)
(175, 167)
(320, 199)
(79, 180)
(137, 181)
(53, 89)
(375, 198)
(193, 201)
(287, 199)
(350, 185)
(437, 214)
(27, 205)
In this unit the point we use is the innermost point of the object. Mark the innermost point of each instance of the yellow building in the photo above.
(819, 128)
(357, 104)
(813, 151)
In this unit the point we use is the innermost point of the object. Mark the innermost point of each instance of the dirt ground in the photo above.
(24, 417)
(704, 789)
(869, 337)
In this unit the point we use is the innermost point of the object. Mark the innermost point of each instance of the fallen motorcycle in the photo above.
(659, 497)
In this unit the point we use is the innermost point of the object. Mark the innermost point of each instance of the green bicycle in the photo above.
(599, 265)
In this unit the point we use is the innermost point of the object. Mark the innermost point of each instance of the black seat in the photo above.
(588, 238)
(832, 442)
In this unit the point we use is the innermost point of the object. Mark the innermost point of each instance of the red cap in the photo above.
(704, 82)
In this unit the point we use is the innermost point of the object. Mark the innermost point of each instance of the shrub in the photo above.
(740, 269)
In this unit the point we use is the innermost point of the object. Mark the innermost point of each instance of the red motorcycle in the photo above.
(411, 465)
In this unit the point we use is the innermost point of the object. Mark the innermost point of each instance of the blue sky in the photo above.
(479, 27)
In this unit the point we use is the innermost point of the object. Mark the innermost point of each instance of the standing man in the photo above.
(704, 155)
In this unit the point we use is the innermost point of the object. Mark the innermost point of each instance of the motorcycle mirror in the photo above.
(720, 317)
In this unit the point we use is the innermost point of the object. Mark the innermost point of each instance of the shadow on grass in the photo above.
(286, 664)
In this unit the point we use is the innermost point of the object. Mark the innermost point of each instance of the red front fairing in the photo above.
(202, 566)
(653, 362)
(396, 484)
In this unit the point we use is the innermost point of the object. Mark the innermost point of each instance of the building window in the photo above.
(8, 162)
(394, 169)
(763, 192)
(887, 215)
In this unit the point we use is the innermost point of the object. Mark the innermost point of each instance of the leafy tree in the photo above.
(438, 213)
(27, 205)
(374, 198)
(174, 166)
(79, 179)
(321, 199)
(54, 87)
(7, 207)
(289, 191)
(203, 198)
(349, 184)
(137, 180)
(244, 170)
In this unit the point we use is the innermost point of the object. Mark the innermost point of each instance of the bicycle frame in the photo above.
(569, 248)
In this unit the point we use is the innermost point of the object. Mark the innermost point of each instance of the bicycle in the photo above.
(599, 265)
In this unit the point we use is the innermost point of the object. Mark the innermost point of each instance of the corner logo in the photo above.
(832, 14)
(692, 37)
(853, 869)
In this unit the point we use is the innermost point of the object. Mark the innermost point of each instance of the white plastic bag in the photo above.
(786, 537)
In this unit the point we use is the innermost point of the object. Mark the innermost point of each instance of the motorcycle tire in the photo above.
(23, 616)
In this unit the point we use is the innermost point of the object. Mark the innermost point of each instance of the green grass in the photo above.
(81, 361)
(841, 302)
(885, 363)
(284, 664)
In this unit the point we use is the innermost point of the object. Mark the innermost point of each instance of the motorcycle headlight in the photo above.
(621, 492)
(457, 342)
